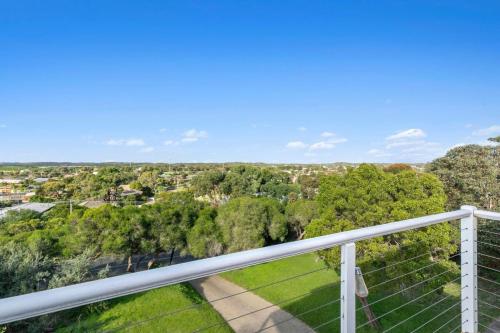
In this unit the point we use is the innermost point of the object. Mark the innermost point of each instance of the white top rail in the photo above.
(487, 215)
(53, 300)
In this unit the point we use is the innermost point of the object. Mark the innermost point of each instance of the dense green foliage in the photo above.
(205, 211)
(243, 180)
(368, 196)
(299, 214)
(471, 175)
(247, 223)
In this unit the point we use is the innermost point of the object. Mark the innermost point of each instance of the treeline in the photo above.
(104, 182)
(242, 207)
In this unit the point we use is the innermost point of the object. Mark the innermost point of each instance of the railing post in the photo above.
(468, 226)
(348, 288)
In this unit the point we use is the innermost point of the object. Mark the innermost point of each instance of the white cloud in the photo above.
(3, 126)
(302, 129)
(398, 144)
(379, 153)
(322, 145)
(425, 147)
(147, 150)
(327, 134)
(411, 133)
(328, 144)
(163, 130)
(492, 130)
(194, 135)
(409, 145)
(114, 142)
(337, 141)
(296, 145)
(134, 142)
(125, 142)
(170, 143)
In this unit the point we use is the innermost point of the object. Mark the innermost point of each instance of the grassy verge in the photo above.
(312, 298)
(149, 312)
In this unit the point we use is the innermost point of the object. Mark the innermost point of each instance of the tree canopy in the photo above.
(471, 175)
(367, 196)
(247, 223)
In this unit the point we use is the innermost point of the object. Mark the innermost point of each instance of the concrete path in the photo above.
(215, 287)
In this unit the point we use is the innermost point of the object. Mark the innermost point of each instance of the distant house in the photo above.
(16, 196)
(10, 181)
(34, 206)
(131, 192)
(93, 203)
(5, 189)
(127, 191)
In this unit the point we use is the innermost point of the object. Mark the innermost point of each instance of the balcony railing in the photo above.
(58, 299)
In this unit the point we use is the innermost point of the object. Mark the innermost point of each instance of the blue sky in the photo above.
(268, 81)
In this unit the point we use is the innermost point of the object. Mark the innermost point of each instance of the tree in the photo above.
(309, 185)
(205, 238)
(299, 214)
(397, 167)
(172, 217)
(25, 270)
(367, 196)
(495, 139)
(209, 183)
(248, 222)
(131, 230)
(471, 175)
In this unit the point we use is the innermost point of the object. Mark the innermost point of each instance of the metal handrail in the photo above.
(485, 214)
(54, 300)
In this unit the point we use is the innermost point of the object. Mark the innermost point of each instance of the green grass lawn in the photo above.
(147, 312)
(314, 290)
(311, 297)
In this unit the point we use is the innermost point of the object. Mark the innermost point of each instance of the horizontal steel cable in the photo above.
(489, 268)
(489, 232)
(488, 292)
(487, 255)
(488, 328)
(488, 280)
(326, 323)
(488, 316)
(395, 264)
(403, 290)
(409, 302)
(435, 317)
(456, 327)
(222, 298)
(417, 313)
(414, 271)
(488, 244)
(486, 303)
(449, 321)
(299, 315)
(268, 307)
